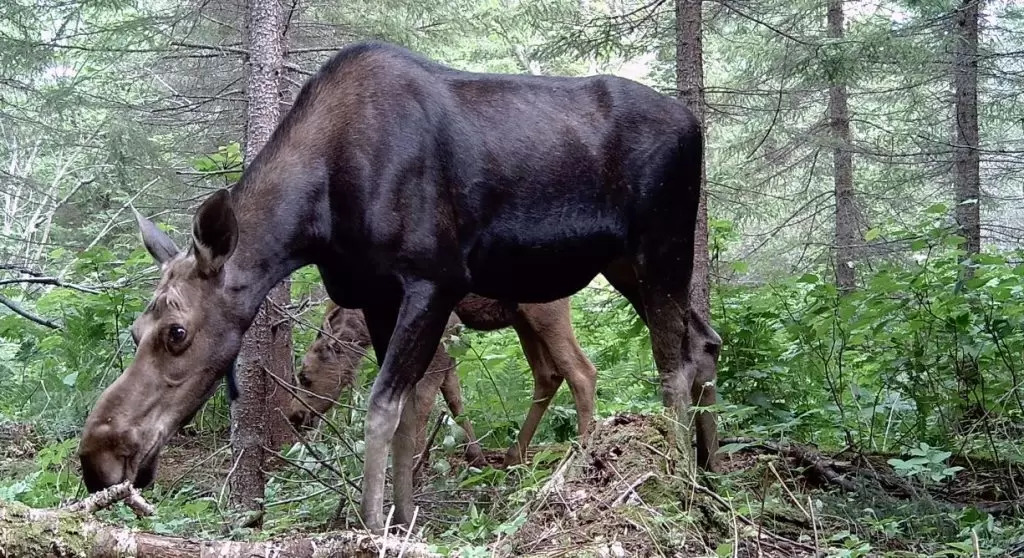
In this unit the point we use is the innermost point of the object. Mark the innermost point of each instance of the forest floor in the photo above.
(621, 496)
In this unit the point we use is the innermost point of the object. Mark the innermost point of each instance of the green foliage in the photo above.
(928, 463)
(226, 162)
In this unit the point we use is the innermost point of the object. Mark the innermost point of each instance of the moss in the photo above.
(24, 532)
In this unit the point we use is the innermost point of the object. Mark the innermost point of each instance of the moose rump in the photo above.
(411, 185)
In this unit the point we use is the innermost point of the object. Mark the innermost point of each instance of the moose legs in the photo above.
(408, 339)
(546, 335)
(685, 348)
(442, 376)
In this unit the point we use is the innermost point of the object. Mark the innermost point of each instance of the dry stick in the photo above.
(814, 525)
(631, 489)
(412, 524)
(749, 522)
(425, 454)
(26, 314)
(786, 488)
(311, 473)
(735, 536)
(107, 497)
(198, 464)
(387, 525)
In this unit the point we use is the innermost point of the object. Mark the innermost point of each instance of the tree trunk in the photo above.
(842, 161)
(256, 421)
(967, 174)
(26, 532)
(965, 149)
(690, 83)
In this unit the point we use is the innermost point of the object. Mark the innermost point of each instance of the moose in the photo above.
(409, 185)
(545, 334)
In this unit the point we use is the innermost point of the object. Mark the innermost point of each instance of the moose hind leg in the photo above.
(417, 331)
(426, 394)
(546, 382)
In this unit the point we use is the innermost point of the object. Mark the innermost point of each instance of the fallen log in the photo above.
(65, 533)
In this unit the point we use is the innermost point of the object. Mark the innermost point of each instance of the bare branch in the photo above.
(26, 314)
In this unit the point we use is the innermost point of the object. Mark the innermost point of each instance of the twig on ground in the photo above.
(746, 520)
(631, 489)
(412, 524)
(786, 488)
(814, 525)
(425, 454)
(109, 496)
(814, 462)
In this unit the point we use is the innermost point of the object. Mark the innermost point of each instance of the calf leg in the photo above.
(545, 384)
(426, 394)
(552, 326)
(418, 325)
(452, 393)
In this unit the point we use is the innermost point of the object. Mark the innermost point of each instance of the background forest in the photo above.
(865, 171)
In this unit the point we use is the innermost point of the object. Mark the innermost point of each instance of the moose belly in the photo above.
(531, 267)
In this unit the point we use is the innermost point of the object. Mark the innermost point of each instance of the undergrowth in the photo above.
(917, 372)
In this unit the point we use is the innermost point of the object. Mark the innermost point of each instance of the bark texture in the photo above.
(967, 163)
(846, 238)
(256, 421)
(966, 141)
(31, 533)
(690, 84)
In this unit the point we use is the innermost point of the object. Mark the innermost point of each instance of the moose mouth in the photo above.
(141, 476)
(146, 471)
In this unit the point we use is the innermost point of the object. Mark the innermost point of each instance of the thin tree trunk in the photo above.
(967, 175)
(266, 348)
(965, 150)
(690, 83)
(842, 160)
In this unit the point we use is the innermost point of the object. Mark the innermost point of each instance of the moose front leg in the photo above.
(415, 337)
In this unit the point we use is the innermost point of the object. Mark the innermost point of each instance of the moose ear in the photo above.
(159, 245)
(214, 233)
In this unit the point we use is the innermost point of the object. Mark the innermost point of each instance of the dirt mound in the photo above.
(620, 496)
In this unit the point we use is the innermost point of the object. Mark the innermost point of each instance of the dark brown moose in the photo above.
(545, 333)
(410, 185)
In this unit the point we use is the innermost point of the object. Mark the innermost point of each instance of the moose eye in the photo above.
(176, 334)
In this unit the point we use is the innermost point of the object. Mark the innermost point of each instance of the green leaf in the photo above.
(71, 379)
(872, 234)
(808, 278)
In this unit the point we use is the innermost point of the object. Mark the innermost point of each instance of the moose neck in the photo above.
(280, 206)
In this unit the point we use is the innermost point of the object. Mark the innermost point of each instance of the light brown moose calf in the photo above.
(545, 333)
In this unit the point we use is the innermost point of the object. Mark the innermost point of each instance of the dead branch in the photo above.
(26, 532)
(816, 466)
(26, 314)
(55, 281)
(110, 496)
